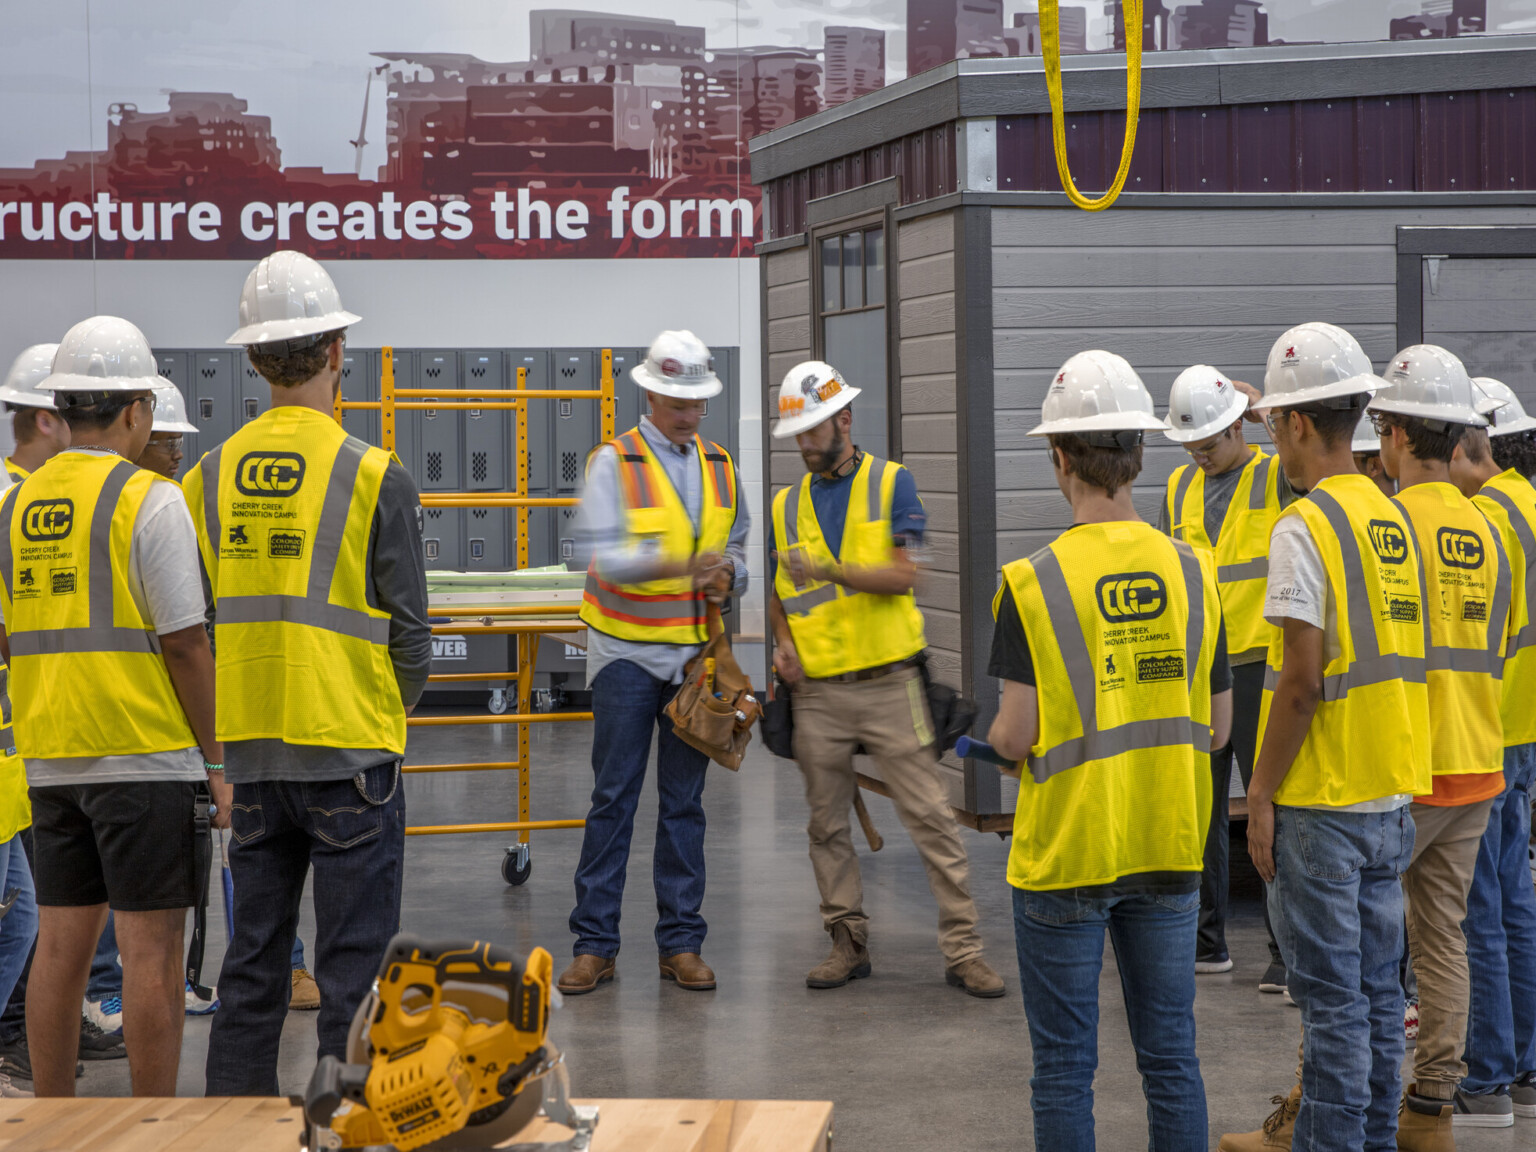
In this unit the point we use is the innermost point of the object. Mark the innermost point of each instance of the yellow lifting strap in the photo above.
(1050, 46)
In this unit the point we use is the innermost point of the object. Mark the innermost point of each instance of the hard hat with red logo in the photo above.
(1497, 401)
(678, 365)
(23, 383)
(1313, 363)
(1098, 396)
(1428, 383)
(1202, 404)
(813, 391)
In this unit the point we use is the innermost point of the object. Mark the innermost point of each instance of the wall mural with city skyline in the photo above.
(220, 129)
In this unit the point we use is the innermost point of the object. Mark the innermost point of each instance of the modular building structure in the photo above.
(918, 238)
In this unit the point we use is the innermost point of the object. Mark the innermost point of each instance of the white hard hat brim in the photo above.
(788, 426)
(1231, 416)
(1365, 444)
(74, 382)
(701, 389)
(1448, 412)
(1524, 424)
(173, 426)
(1365, 384)
(272, 331)
(26, 399)
(1103, 422)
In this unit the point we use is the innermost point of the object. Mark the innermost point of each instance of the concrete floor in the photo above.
(909, 1062)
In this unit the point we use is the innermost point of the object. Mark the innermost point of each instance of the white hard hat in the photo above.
(1365, 438)
(813, 391)
(288, 296)
(28, 371)
(103, 354)
(1429, 383)
(1096, 391)
(1506, 415)
(1312, 362)
(1203, 402)
(679, 365)
(170, 410)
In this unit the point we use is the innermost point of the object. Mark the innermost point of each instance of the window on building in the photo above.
(853, 328)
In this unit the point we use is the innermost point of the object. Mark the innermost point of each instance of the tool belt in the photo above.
(715, 713)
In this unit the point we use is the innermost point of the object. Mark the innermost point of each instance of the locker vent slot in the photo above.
(477, 371)
(210, 373)
(568, 468)
(252, 374)
(166, 372)
(434, 372)
(434, 513)
(568, 371)
(479, 469)
(480, 513)
(434, 467)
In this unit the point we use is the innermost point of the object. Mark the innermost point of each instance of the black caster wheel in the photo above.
(516, 867)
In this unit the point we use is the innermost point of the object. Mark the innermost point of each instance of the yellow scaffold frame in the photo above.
(502, 620)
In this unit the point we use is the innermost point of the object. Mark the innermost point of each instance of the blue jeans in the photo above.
(106, 966)
(1337, 907)
(1501, 937)
(353, 833)
(627, 703)
(19, 928)
(1060, 939)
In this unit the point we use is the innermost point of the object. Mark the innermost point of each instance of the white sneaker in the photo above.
(197, 1006)
(9, 1091)
(106, 1014)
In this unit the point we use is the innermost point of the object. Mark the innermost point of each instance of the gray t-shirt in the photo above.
(163, 571)
(397, 584)
(1218, 495)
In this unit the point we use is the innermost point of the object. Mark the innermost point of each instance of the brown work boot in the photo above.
(976, 977)
(586, 973)
(1276, 1133)
(688, 970)
(849, 960)
(1424, 1124)
(305, 994)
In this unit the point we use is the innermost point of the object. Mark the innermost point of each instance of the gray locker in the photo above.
(629, 396)
(536, 360)
(173, 367)
(719, 423)
(485, 429)
(213, 389)
(486, 539)
(541, 537)
(360, 381)
(440, 448)
(407, 424)
(254, 395)
(565, 539)
(576, 422)
(442, 538)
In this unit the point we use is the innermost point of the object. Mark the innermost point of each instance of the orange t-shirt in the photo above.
(1458, 788)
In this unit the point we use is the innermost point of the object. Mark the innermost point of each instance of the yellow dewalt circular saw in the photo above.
(449, 1050)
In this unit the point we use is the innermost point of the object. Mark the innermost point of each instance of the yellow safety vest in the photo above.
(1370, 735)
(836, 629)
(1242, 548)
(284, 509)
(1467, 592)
(15, 807)
(1509, 501)
(1122, 624)
(74, 626)
(663, 611)
(15, 471)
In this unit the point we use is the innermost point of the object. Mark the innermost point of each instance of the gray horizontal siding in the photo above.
(1166, 289)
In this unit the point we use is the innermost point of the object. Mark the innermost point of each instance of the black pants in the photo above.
(1242, 748)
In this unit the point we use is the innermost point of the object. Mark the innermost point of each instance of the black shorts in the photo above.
(129, 845)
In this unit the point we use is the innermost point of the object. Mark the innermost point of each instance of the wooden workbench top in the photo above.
(266, 1124)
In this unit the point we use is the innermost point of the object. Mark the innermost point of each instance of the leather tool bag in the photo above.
(715, 718)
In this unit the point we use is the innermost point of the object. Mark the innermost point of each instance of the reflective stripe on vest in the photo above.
(313, 609)
(1101, 743)
(801, 603)
(95, 636)
(1526, 636)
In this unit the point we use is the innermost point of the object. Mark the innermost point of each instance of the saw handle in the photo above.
(333, 1081)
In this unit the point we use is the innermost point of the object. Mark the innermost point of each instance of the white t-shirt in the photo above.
(1298, 590)
(166, 581)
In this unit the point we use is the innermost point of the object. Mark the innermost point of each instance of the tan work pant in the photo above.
(1435, 888)
(889, 716)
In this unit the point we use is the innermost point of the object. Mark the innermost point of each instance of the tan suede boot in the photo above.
(848, 961)
(1424, 1124)
(1275, 1135)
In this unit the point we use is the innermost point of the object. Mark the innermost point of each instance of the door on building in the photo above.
(1480, 308)
(853, 333)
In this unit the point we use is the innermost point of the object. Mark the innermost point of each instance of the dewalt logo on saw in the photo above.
(270, 473)
(48, 519)
(1388, 541)
(1459, 549)
(1128, 596)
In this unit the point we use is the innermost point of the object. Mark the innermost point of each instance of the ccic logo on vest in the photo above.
(270, 473)
(1388, 540)
(1129, 596)
(1459, 549)
(48, 519)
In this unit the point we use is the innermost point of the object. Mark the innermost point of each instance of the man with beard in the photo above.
(849, 642)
